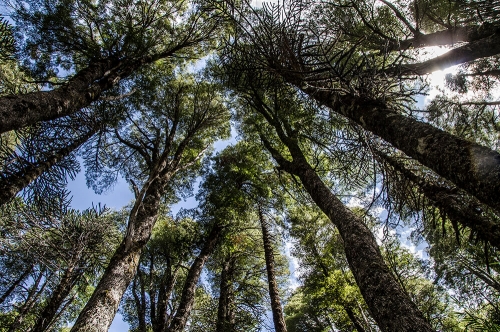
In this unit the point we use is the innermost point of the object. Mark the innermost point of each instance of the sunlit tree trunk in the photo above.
(100, 310)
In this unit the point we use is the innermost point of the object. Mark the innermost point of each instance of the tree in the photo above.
(158, 146)
(397, 313)
(101, 45)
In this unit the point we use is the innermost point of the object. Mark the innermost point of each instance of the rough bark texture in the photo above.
(17, 111)
(188, 292)
(12, 184)
(456, 204)
(470, 166)
(277, 310)
(224, 322)
(101, 308)
(389, 305)
(59, 295)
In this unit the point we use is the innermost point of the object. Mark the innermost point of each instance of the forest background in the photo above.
(337, 159)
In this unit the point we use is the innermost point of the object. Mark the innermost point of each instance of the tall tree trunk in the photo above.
(60, 293)
(16, 283)
(17, 111)
(279, 321)
(98, 313)
(458, 207)
(470, 166)
(225, 292)
(391, 308)
(11, 184)
(140, 305)
(165, 291)
(188, 292)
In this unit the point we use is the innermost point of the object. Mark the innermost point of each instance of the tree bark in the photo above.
(354, 319)
(164, 293)
(98, 313)
(12, 184)
(470, 166)
(188, 292)
(391, 308)
(140, 305)
(17, 111)
(60, 293)
(454, 203)
(225, 292)
(277, 310)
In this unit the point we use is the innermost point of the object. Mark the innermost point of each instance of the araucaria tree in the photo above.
(161, 141)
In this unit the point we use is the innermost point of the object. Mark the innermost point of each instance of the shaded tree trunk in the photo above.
(60, 293)
(87, 86)
(224, 321)
(98, 313)
(391, 308)
(165, 290)
(187, 298)
(12, 184)
(140, 304)
(279, 321)
(355, 321)
(454, 203)
(470, 166)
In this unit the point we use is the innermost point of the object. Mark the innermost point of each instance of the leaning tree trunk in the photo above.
(470, 166)
(389, 305)
(225, 293)
(98, 313)
(60, 293)
(12, 184)
(279, 321)
(188, 292)
(459, 207)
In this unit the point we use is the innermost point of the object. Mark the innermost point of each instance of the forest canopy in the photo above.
(357, 189)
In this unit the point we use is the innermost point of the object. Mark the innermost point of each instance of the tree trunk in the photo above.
(354, 319)
(188, 292)
(225, 293)
(391, 308)
(470, 166)
(164, 293)
(454, 203)
(17, 111)
(46, 318)
(139, 301)
(279, 321)
(98, 313)
(10, 185)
